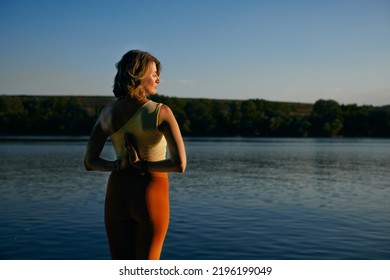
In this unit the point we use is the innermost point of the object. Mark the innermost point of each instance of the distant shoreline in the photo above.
(42, 138)
(109, 98)
(216, 139)
(73, 117)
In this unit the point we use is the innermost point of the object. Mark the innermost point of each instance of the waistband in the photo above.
(132, 171)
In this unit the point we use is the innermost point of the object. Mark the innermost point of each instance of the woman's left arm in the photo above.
(170, 128)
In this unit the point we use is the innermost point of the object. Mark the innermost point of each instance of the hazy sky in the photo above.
(299, 51)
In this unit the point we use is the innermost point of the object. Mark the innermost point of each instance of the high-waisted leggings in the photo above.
(136, 214)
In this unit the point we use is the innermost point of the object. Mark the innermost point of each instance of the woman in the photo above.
(137, 198)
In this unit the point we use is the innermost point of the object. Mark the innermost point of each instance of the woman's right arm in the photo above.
(92, 159)
(97, 140)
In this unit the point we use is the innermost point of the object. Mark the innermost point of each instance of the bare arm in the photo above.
(97, 140)
(92, 159)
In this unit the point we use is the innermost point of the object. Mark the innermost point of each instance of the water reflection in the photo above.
(239, 199)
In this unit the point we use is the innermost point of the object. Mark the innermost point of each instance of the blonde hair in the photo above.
(132, 70)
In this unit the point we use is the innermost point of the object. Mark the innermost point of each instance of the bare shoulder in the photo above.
(165, 112)
(105, 117)
(166, 119)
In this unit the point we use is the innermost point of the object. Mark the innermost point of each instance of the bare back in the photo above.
(117, 113)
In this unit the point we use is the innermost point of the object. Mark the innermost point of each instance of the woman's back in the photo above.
(141, 129)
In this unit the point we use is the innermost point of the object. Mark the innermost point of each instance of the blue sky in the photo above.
(295, 51)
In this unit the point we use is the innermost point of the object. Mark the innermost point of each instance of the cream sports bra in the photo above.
(150, 143)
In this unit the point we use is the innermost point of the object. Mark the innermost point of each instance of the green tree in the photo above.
(356, 121)
(221, 114)
(249, 118)
(326, 119)
(199, 114)
(379, 119)
(12, 114)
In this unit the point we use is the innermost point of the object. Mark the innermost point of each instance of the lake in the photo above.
(240, 198)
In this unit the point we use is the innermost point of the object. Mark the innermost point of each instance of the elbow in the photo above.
(182, 167)
(87, 165)
(179, 165)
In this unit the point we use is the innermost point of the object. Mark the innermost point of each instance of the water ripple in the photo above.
(284, 199)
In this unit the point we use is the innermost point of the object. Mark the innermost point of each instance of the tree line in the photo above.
(76, 115)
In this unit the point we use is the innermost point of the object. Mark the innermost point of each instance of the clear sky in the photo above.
(295, 51)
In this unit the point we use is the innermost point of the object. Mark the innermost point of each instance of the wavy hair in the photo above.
(132, 70)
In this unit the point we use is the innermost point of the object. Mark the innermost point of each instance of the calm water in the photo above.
(239, 199)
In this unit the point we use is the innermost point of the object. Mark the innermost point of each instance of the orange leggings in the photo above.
(136, 214)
